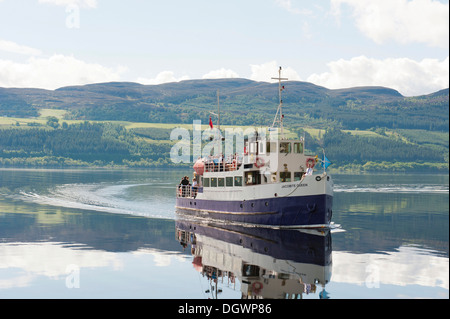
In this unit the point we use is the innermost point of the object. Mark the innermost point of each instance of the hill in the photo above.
(361, 128)
(243, 102)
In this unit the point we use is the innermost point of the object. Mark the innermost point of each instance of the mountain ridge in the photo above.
(181, 102)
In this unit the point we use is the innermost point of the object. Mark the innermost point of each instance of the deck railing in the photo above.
(221, 167)
(188, 191)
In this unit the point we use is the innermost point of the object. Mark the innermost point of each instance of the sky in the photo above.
(400, 44)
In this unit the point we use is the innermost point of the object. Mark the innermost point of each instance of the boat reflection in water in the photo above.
(269, 263)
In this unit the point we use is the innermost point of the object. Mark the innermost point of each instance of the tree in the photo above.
(53, 121)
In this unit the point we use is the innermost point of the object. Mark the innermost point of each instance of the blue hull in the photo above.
(304, 211)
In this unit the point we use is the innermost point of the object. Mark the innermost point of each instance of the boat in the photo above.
(273, 182)
(261, 262)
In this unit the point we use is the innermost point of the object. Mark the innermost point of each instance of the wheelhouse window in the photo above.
(253, 148)
(285, 147)
(271, 147)
(298, 148)
(261, 148)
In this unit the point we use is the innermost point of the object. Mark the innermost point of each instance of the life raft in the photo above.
(259, 162)
(256, 287)
(310, 162)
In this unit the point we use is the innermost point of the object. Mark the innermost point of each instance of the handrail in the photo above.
(188, 191)
(221, 167)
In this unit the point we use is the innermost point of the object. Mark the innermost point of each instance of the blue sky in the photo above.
(402, 44)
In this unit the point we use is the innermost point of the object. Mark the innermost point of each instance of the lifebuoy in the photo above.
(259, 162)
(310, 162)
(256, 287)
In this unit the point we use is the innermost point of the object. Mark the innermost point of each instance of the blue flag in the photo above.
(325, 162)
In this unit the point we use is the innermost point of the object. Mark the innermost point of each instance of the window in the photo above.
(205, 182)
(273, 177)
(229, 181)
(213, 182)
(252, 178)
(298, 148)
(285, 176)
(221, 181)
(271, 147)
(298, 176)
(285, 147)
(248, 178)
(261, 149)
(238, 181)
(253, 148)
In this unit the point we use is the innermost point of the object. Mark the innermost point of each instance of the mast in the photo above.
(280, 106)
(218, 110)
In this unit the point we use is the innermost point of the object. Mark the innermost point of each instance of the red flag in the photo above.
(210, 123)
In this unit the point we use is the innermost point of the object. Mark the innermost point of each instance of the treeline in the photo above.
(84, 144)
(90, 144)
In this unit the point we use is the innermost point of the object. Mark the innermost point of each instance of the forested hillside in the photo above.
(84, 144)
(364, 128)
(243, 102)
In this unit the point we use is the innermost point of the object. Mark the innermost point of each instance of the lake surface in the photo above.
(115, 234)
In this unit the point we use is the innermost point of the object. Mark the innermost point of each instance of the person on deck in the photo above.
(184, 184)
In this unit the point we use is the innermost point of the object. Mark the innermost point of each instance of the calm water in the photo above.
(114, 234)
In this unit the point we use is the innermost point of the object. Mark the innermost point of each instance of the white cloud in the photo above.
(221, 74)
(407, 76)
(32, 261)
(287, 5)
(404, 266)
(12, 47)
(162, 77)
(54, 72)
(415, 21)
(81, 3)
(266, 71)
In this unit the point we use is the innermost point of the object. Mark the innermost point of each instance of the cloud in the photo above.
(12, 47)
(54, 72)
(416, 21)
(407, 76)
(221, 74)
(81, 3)
(287, 5)
(162, 77)
(266, 71)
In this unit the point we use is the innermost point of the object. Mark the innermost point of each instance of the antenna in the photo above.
(218, 110)
(280, 106)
